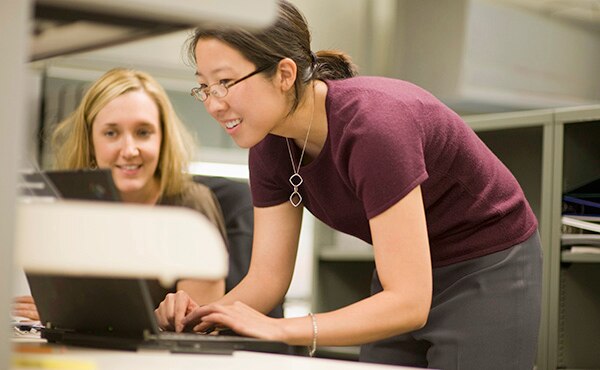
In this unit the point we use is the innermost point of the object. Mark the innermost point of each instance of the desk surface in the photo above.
(43, 356)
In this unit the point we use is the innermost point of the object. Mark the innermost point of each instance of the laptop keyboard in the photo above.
(202, 337)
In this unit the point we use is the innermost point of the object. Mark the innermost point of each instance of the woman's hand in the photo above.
(24, 306)
(238, 317)
(173, 309)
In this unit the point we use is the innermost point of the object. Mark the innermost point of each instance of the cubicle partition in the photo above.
(574, 328)
(552, 152)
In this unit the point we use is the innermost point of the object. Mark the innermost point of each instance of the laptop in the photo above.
(111, 312)
(118, 313)
(83, 184)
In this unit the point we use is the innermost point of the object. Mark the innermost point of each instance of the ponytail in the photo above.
(333, 65)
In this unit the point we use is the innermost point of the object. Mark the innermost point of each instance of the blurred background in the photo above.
(477, 56)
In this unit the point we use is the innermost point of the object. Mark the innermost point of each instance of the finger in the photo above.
(192, 305)
(194, 317)
(210, 330)
(204, 328)
(24, 306)
(182, 301)
(24, 299)
(31, 314)
(164, 313)
(214, 322)
(161, 320)
(27, 310)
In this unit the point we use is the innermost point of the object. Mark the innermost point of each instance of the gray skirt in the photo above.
(485, 314)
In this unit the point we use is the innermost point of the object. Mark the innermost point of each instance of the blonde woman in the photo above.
(125, 122)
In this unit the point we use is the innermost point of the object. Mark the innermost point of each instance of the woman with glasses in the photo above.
(125, 122)
(458, 259)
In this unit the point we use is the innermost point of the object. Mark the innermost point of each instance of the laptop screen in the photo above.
(112, 307)
(71, 184)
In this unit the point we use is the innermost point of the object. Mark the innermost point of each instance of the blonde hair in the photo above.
(72, 140)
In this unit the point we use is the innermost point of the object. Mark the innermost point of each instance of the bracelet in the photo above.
(313, 347)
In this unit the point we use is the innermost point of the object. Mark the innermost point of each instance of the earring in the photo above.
(93, 164)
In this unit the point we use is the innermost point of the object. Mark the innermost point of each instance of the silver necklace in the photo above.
(296, 179)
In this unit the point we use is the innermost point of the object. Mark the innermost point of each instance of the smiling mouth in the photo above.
(129, 167)
(233, 123)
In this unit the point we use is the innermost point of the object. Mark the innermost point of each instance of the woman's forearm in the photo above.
(203, 291)
(380, 316)
(258, 289)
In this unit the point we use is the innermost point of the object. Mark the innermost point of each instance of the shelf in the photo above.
(567, 256)
(573, 336)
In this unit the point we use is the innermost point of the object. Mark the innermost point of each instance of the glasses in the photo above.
(220, 89)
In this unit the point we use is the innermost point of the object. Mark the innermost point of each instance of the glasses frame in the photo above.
(196, 92)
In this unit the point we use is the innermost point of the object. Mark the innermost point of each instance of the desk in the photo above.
(74, 358)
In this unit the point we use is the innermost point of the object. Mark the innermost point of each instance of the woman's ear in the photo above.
(286, 73)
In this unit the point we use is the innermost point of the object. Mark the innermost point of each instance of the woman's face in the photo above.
(127, 136)
(252, 108)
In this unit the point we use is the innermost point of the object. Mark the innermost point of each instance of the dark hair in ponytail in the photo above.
(333, 65)
(288, 37)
